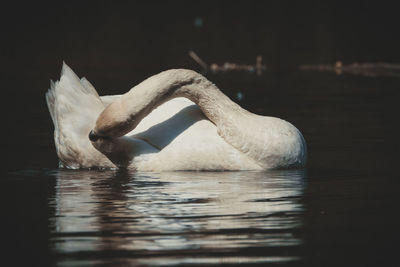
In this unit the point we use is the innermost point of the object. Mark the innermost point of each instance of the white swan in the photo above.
(175, 120)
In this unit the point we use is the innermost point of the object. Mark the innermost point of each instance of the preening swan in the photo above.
(175, 120)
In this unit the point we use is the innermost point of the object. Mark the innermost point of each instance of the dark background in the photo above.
(117, 45)
(347, 121)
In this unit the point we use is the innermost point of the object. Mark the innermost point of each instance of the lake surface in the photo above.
(341, 210)
(181, 217)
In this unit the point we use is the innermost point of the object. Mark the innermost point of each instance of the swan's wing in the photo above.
(167, 121)
(187, 140)
(197, 146)
(74, 106)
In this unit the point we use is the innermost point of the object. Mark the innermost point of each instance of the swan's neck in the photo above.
(125, 114)
(260, 138)
(217, 107)
(270, 142)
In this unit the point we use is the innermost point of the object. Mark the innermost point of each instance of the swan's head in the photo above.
(118, 119)
(113, 121)
(104, 144)
(119, 150)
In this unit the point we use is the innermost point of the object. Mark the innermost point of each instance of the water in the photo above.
(176, 217)
(340, 211)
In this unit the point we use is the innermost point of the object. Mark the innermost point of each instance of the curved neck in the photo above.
(217, 107)
(268, 141)
(124, 115)
(235, 125)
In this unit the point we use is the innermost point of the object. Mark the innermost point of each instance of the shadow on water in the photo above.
(177, 217)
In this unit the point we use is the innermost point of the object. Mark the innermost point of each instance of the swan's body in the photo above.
(175, 120)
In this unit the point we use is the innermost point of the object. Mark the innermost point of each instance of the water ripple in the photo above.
(216, 216)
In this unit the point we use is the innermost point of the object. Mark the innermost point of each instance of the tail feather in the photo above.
(89, 88)
(74, 106)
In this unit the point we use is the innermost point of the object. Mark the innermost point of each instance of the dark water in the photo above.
(170, 218)
(341, 210)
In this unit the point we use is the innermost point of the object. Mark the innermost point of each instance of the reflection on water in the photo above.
(177, 217)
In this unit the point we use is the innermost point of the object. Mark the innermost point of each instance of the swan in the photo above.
(175, 120)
